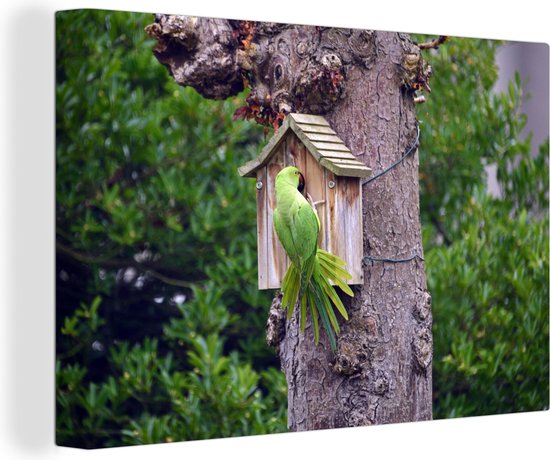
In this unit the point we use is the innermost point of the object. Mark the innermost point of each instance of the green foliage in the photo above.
(159, 322)
(486, 256)
(490, 296)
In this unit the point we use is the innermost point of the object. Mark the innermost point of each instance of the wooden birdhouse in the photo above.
(333, 178)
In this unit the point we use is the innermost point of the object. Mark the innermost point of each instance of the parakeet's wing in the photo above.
(305, 229)
(284, 234)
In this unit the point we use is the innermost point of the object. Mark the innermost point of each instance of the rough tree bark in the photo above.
(363, 82)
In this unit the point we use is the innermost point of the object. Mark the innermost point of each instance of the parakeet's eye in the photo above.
(301, 183)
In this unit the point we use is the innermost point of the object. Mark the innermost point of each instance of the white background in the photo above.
(27, 235)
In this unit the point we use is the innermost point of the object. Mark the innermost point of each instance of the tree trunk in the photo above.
(363, 82)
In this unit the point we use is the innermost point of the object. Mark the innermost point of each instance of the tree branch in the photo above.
(199, 52)
(288, 68)
(434, 43)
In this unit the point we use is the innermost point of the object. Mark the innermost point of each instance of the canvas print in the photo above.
(264, 227)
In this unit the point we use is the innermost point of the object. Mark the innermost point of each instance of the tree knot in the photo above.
(275, 327)
(350, 359)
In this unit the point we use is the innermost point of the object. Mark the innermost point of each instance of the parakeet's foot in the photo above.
(314, 203)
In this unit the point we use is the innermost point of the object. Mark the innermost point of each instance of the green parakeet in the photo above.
(307, 278)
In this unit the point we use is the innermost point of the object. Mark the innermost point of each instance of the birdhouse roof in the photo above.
(319, 139)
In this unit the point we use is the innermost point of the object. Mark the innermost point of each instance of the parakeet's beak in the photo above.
(301, 183)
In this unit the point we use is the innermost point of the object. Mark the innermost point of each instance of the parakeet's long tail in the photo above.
(315, 292)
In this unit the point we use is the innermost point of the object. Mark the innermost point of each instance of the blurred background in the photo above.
(159, 324)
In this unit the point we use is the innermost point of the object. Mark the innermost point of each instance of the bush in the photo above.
(490, 296)
(486, 256)
(159, 321)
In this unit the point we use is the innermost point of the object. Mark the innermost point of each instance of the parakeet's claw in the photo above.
(314, 203)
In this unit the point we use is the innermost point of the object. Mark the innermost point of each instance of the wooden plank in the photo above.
(341, 147)
(345, 220)
(249, 169)
(261, 227)
(349, 191)
(345, 238)
(346, 169)
(295, 152)
(317, 153)
(345, 160)
(325, 138)
(335, 154)
(277, 263)
(335, 219)
(315, 186)
(309, 119)
(315, 129)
